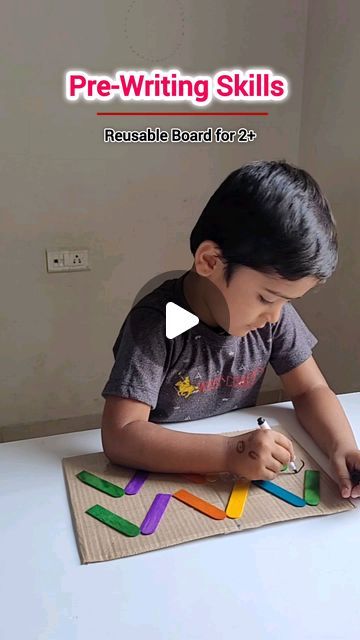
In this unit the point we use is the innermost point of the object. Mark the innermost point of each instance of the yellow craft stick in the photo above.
(237, 500)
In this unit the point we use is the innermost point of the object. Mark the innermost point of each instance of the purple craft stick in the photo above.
(136, 483)
(155, 513)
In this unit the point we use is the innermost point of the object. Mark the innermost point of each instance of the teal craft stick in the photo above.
(102, 485)
(281, 493)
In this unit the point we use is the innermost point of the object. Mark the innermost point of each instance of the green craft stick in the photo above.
(113, 520)
(284, 468)
(98, 483)
(312, 487)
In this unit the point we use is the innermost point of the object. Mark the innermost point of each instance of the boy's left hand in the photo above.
(346, 465)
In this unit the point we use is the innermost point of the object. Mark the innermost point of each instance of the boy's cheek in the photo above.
(242, 322)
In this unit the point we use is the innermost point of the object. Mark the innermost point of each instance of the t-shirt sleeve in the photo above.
(140, 357)
(292, 342)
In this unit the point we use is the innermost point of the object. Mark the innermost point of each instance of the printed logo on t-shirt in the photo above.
(185, 388)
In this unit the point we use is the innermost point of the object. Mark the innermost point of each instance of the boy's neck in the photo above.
(194, 295)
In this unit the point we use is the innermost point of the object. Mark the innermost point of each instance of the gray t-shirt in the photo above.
(201, 372)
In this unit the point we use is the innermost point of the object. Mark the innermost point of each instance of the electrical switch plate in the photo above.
(67, 260)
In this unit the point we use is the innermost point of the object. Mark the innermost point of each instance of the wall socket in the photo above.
(67, 260)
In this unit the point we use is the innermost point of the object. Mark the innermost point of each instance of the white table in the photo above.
(297, 580)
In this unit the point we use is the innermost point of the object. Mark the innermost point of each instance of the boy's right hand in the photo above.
(259, 454)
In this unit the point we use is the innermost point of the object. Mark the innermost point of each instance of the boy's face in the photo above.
(251, 300)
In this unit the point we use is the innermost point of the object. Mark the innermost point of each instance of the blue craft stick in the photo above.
(281, 493)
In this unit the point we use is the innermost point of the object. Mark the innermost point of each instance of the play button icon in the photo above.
(178, 320)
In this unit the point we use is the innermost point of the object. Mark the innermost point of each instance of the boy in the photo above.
(265, 238)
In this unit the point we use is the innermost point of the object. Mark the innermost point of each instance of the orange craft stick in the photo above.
(199, 504)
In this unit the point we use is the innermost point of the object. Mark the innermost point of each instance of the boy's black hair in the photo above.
(272, 217)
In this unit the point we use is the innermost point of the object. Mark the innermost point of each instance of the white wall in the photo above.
(330, 144)
(133, 207)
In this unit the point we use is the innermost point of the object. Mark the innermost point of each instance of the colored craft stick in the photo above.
(100, 484)
(237, 500)
(155, 513)
(281, 493)
(199, 504)
(312, 487)
(136, 483)
(284, 467)
(194, 477)
(113, 520)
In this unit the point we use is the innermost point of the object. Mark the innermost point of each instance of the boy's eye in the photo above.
(263, 300)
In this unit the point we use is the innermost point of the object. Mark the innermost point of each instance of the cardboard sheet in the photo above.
(180, 523)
